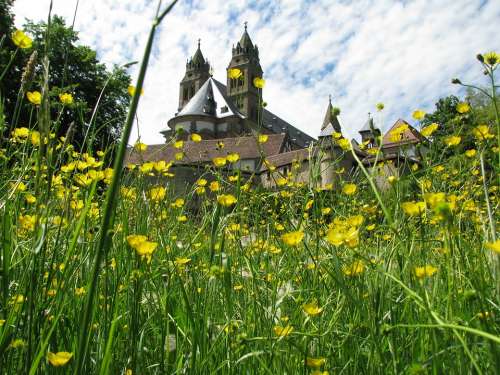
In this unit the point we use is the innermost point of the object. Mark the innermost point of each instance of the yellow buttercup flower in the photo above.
(283, 331)
(354, 269)
(226, 200)
(425, 271)
(293, 238)
(491, 58)
(131, 90)
(196, 138)
(233, 158)
(21, 40)
(470, 153)
(234, 73)
(214, 186)
(344, 144)
(179, 155)
(181, 261)
(482, 132)
(315, 362)
(259, 82)
(494, 246)
(453, 140)
(349, 189)
(263, 138)
(219, 161)
(20, 133)
(140, 147)
(380, 107)
(312, 309)
(66, 98)
(157, 193)
(179, 144)
(429, 129)
(418, 114)
(413, 208)
(463, 107)
(35, 97)
(59, 359)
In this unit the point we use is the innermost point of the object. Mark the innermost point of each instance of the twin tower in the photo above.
(241, 91)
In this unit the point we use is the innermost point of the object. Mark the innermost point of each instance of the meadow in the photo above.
(105, 272)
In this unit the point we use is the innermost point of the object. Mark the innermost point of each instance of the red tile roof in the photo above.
(247, 147)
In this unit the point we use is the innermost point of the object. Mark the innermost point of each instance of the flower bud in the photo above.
(480, 57)
(456, 81)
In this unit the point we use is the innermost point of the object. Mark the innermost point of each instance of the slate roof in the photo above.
(201, 102)
(204, 151)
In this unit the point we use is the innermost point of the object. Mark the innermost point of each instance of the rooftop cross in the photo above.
(199, 42)
(246, 25)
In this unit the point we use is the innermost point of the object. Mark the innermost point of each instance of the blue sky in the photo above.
(401, 53)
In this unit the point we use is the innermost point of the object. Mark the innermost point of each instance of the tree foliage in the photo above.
(73, 69)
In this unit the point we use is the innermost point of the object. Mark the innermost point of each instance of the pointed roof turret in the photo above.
(245, 40)
(331, 123)
(198, 55)
(198, 61)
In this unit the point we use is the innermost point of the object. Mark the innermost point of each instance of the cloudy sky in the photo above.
(402, 53)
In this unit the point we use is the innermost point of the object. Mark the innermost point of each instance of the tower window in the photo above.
(224, 109)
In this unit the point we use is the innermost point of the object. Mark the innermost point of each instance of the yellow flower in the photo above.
(226, 200)
(201, 182)
(145, 248)
(140, 147)
(146, 167)
(79, 291)
(463, 107)
(315, 362)
(380, 107)
(35, 138)
(181, 261)
(494, 246)
(319, 372)
(425, 271)
(482, 132)
(293, 238)
(214, 186)
(429, 129)
(418, 114)
(282, 331)
(349, 189)
(35, 97)
(219, 161)
(413, 208)
(470, 153)
(234, 73)
(336, 135)
(179, 144)
(59, 359)
(135, 239)
(30, 198)
(20, 133)
(354, 269)
(66, 98)
(259, 82)
(312, 309)
(491, 58)
(196, 138)
(179, 155)
(453, 140)
(182, 219)
(131, 90)
(263, 138)
(233, 158)
(344, 144)
(392, 179)
(21, 40)
(157, 194)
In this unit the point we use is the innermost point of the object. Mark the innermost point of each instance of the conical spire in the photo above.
(245, 40)
(198, 56)
(329, 114)
(331, 122)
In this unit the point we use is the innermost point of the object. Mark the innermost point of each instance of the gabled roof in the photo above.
(195, 152)
(410, 135)
(201, 103)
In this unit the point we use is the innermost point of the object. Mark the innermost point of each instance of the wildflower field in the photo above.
(106, 269)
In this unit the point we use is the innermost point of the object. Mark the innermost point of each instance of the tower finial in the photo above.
(246, 25)
(199, 42)
(330, 99)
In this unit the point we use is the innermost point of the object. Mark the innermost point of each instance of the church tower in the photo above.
(241, 90)
(197, 73)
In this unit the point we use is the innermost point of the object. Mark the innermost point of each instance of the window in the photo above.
(224, 109)
(185, 94)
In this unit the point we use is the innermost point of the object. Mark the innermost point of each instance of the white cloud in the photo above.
(401, 53)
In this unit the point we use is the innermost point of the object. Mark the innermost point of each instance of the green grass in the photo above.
(215, 291)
